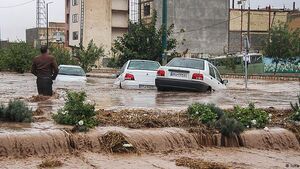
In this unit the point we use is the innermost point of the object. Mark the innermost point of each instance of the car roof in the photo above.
(72, 66)
(143, 60)
(190, 58)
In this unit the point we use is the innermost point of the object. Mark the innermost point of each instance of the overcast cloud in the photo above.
(14, 21)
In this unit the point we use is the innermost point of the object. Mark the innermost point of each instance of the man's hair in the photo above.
(44, 49)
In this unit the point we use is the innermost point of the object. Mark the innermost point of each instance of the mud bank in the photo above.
(42, 143)
(141, 140)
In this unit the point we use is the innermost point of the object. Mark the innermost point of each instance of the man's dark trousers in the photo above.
(44, 85)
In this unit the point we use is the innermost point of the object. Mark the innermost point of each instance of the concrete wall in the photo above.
(257, 40)
(31, 36)
(294, 21)
(120, 19)
(205, 24)
(97, 23)
(120, 5)
(259, 19)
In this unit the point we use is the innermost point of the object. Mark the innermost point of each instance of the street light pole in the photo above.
(164, 35)
(47, 8)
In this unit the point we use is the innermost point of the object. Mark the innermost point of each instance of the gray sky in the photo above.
(14, 21)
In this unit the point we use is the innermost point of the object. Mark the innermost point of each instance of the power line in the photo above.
(209, 26)
(17, 5)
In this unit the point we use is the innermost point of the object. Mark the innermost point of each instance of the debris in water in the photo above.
(116, 142)
(38, 112)
(145, 119)
(127, 145)
(266, 129)
(40, 98)
(199, 164)
(50, 163)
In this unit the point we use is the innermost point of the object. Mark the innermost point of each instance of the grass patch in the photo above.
(198, 164)
(50, 163)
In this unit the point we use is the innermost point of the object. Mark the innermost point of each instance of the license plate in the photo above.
(146, 86)
(179, 74)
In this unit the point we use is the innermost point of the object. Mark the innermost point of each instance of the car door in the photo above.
(219, 83)
(212, 81)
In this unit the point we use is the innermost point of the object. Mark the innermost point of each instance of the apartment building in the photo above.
(99, 20)
(38, 36)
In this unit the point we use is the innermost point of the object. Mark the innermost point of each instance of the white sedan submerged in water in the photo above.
(71, 73)
(189, 74)
(138, 74)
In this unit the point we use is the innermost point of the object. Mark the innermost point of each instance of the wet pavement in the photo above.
(263, 93)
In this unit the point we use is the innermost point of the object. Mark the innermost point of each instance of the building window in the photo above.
(74, 2)
(75, 35)
(75, 18)
(147, 9)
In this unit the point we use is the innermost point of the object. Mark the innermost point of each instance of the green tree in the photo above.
(62, 55)
(143, 41)
(18, 57)
(283, 44)
(87, 57)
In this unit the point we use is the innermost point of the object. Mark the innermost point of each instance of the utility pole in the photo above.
(248, 25)
(164, 35)
(47, 20)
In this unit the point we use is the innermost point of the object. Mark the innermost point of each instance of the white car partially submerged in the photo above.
(189, 74)
(71, 73)
(138, 74)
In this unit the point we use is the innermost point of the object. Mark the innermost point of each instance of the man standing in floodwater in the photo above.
(44, 67)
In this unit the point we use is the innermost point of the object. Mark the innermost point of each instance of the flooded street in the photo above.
(234, 158)
(263, 93)
(159, 147)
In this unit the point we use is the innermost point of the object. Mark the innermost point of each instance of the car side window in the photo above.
(123, 68)
(218, 76)
(211, 71)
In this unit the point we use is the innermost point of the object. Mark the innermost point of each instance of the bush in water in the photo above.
(16, 111)
(2, 110)
(296, 109)
(202, 112)
(229, 126)
(77, 112)
(250, 116)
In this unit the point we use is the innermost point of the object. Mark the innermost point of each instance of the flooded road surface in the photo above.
(263, 93)
(232, 157)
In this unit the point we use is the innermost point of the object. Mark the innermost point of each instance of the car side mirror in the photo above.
(225, 82)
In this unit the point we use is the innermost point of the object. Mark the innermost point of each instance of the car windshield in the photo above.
(73, 71)
(143, 65)
(187, 63)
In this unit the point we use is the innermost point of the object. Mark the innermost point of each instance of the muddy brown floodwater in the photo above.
(157, 148)
(263, 93)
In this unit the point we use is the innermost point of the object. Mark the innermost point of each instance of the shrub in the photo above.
(16, 111)
(229, 126)
(2, 110)
(62, 56)
(250, 116)
(296, 109)
(18, 57)
(202, 112)
(77, 112)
